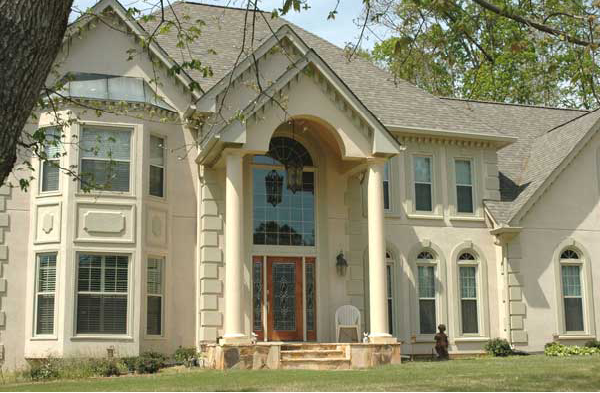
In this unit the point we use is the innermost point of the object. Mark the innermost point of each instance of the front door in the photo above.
(284, 299)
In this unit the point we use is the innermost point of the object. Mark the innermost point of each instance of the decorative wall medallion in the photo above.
(106, 222)
(48, 223)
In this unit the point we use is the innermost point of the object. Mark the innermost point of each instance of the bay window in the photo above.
(45, 288)
(51, 159)
(102, 294)
(157, 166)
(154, 291)
(105, 158)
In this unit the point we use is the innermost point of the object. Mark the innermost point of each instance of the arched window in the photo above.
(284, 195)
(468, 284)
(427, 291)
(571, 267)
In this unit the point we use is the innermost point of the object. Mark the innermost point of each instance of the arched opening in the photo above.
(283, 188)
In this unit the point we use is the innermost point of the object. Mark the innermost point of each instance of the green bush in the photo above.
(43, 370)
(186, 355)
(593, 344)
(129, 363)
(557, 349)
(149, 363)
(105, 367)
(498, 347)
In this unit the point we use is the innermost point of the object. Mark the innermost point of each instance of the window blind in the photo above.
(45, 293)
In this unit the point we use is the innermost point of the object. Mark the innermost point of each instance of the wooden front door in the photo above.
(284, 296)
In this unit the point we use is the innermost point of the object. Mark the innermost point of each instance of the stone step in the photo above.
(312, 353)
(316, 364)
(310, 347)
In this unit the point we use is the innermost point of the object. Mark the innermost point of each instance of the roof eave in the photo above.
(500, 140)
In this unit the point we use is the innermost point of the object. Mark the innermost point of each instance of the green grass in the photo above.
(529, 373)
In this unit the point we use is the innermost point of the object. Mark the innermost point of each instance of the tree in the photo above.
(31, 34)
(529, 52)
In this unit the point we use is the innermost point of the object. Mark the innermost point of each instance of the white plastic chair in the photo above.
(347, 317)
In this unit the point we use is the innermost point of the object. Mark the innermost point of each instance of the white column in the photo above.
(234, 259)
(377, 271)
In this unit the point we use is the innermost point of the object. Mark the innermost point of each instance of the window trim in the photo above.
(130, 300)
(164, 166)
(586, 280)
(472, 185)
(413, 183)
(163, 261)
(36, 294)
(133, 129)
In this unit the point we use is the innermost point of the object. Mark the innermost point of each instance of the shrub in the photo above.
(557, 349)
(498, 347)
(593, 344)
(129, 363)
(105, 367)
(186, 355)
(43, 370)
(149, 363)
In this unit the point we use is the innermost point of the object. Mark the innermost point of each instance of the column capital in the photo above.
(371, 161)
(234, 152)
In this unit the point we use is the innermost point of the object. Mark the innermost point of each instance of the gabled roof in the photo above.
(396, 103)
(547, 139)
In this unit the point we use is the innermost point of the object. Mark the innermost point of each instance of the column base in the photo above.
(382, 338)
(235, 339)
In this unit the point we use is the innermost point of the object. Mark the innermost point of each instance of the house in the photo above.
(261, 197)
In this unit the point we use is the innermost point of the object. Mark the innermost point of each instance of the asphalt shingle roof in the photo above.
(395, 103)
(545, 137)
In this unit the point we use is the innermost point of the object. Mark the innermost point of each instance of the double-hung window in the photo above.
(389, 269)
(105, 158)
(423, 184)
(426, 292)
(157, 166)
(464, 186)
(51, 160)
(467, 277)
(386, 185)
(102, 294)
(45, 289)
(154, 290)
(572, 291)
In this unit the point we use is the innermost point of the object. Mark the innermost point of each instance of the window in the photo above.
(467, 270)
(571, 290)
(390, 297)
(427, 292)
(464, 186)
(102, 294)
(282, 214)
(386, 185)
(423, 184)
(45, 293)
(155, 303)
(105, 158)
(157, 166)
(51, 161)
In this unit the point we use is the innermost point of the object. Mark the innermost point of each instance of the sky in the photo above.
(339, 31)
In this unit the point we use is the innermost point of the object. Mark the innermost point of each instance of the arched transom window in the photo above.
(571, 267)
(284, 195)
(468, 282)
(427, 291)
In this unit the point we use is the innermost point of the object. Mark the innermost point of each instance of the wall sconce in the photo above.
(341, 265)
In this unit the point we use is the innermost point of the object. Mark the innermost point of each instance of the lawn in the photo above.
(529, 373)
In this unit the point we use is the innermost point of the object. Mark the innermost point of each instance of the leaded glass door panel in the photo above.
(284, 285)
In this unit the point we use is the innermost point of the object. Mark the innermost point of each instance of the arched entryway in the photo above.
(283, 216)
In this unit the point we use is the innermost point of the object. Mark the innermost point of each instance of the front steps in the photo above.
(314, 357)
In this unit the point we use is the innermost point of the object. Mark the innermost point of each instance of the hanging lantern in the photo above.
(341, 265)
(274, 186)
(294, 177)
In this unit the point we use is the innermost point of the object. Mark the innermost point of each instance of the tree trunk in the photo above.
(31, 33)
